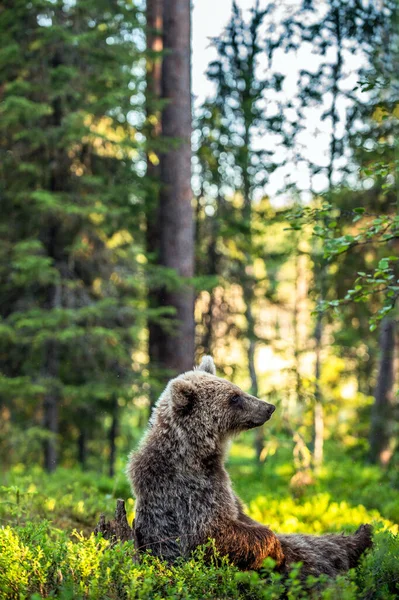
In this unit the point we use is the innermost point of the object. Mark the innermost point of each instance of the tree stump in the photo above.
(117, 529)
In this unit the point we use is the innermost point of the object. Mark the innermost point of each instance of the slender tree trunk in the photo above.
(207, 319)
(212, 269)
(113, 432)
(251, 347)
(50, 421)
(318, 438)
(153, 95)
(295, 318)
(318, 411)
(380, 432)
(176, 233)
(51, 398)
(248, 284)
(56, 171)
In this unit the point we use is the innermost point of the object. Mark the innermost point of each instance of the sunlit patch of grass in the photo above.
(50, 504)
(285, 470)
(316, 515)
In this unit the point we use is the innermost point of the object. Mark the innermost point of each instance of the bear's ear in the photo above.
(183, 395)
(207, 365)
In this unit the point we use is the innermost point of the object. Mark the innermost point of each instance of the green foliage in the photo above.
(75, 276)
(382, 282)
(72, 306)
(379, 575)
(44, 554)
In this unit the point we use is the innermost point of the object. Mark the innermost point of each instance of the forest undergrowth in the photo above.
(47, 549)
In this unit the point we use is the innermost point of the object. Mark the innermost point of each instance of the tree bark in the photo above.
(54, 294)
(248, 286)
(248, 279)
(380, 432)
(153, 95)
(176, 215)
(295, 325)
(212, 269)
(318, 440)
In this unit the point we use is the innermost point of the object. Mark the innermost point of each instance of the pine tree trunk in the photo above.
(54, 300)
(295, 325)
(51, 398)
(259, 431)
(212, 269)
(318, 440)
(176, 232)
(153, 94)
(248, 286)
(380, 434)
(207, 319)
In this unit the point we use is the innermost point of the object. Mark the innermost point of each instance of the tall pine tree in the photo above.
(70, 219)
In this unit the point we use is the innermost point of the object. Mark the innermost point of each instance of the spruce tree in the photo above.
(70, 193)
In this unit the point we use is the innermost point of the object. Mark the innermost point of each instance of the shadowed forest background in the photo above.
(140, 230)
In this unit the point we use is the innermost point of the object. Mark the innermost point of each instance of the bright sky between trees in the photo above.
(209, 18)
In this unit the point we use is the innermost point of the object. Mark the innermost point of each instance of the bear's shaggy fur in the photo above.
(184, 495)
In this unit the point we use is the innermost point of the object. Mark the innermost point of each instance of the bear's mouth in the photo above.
(254, 424)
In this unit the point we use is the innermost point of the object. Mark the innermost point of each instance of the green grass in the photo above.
(47, 550)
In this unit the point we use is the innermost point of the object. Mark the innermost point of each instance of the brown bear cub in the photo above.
(184, 495)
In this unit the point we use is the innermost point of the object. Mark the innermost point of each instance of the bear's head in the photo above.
(205, 404)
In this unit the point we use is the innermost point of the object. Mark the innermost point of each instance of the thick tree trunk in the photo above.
(176, 215)
(153, 95)
(380, 432)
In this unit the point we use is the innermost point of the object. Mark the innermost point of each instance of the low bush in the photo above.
(47, 549)
(39, 562)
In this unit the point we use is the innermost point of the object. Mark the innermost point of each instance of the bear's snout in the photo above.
(268, 410)
(260, 413)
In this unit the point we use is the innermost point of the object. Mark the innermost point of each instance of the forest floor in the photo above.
(47, 549)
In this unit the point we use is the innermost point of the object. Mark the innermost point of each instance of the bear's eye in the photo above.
(236, 400)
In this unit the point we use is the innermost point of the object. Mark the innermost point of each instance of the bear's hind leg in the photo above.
(247, 545)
